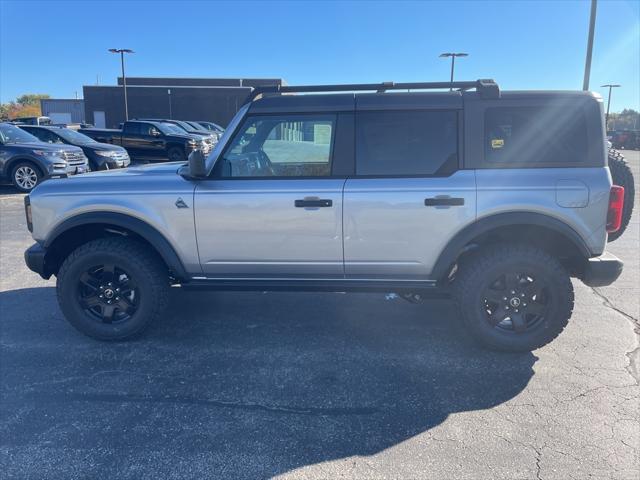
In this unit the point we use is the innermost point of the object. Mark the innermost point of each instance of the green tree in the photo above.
(628, 119)
(31, 99)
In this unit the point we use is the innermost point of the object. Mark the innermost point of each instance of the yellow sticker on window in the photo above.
(497, 143)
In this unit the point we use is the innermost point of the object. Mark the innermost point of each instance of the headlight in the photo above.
(49, 153)
(106, 153)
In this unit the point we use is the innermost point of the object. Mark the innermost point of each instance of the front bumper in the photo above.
(602, 271)
(35, 258)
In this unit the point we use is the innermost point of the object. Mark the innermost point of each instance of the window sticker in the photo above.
(497, 143)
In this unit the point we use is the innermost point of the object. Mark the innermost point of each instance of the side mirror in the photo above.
(197, 167)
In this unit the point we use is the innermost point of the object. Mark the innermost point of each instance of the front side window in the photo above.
(45, 135)
(535, 136)
(281, 146)
(406, 143)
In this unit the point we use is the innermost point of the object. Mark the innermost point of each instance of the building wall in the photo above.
(216, 104)
(71, 108)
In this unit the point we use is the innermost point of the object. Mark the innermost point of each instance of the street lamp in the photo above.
(453, 61)
(606, 118)
(122, 51)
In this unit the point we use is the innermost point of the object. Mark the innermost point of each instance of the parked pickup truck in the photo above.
(150, 140)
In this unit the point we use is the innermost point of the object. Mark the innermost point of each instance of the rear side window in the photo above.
(132, 128)
(535, 136)
(406, 143)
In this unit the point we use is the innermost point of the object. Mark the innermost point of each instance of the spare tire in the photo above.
(622, 175)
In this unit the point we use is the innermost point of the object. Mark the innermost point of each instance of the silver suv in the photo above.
(495, 198)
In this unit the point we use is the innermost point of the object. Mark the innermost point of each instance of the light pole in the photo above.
(606, 118)
(122, 51)
(453, 61)
(592, 27)
(169, 95)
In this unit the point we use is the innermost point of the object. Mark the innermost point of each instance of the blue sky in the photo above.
(55, 47)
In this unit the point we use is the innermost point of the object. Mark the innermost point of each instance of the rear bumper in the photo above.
(602, 271)
(35, 259)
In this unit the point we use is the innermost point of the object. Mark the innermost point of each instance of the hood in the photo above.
(137, 170)
(47, 147)
(101, 147)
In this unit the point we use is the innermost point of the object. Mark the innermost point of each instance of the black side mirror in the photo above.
(197, 167)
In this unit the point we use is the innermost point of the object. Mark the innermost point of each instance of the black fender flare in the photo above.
(484, 225)
(133, 224)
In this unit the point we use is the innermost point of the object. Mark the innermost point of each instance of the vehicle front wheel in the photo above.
(112, 288)
(513, 297)
(176, 154)
(25, 176)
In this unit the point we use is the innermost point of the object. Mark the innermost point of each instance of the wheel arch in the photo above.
(82, 228)
(529, 227)
(11, 163)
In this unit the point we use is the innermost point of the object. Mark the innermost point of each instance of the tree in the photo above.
(31, 99)
(27, 105)
(628, 119)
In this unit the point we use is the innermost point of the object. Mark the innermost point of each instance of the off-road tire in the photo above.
(478, 271)
(144, 266)
(21, 166)
(175, 154)
(622, 175)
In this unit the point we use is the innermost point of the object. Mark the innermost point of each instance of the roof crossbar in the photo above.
(487, 88)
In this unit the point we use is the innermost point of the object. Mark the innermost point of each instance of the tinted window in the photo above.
(406, 143)
(44, 135)
(535, 135)
(281, 146)
(132, 128)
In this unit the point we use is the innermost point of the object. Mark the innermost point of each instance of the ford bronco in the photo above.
(494, 198)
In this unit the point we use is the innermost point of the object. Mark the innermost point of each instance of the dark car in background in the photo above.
(102, 156)
(26, 161)
(207, 136)
(149, 140)
(213, 127)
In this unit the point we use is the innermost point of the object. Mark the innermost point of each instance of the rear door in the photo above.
(273, 206)
(409, 196)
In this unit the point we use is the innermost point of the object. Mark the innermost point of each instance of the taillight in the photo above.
(616, 204)
(27, 212)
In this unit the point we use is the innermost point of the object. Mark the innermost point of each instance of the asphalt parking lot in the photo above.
(303, 385)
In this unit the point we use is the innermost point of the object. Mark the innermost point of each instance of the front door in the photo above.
(271, 208)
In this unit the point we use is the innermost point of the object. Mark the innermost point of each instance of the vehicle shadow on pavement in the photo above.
(237, 385)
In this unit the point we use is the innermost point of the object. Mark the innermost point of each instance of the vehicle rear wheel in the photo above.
(623, 176)
(513, 297)
(112, 288)
(176, 154)
(25, 176)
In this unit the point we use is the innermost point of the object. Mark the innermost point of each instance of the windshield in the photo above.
(198, 127)
(72, 136)
(13, 134)
(170, 128)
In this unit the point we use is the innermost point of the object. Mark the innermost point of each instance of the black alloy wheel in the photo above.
(108, 293)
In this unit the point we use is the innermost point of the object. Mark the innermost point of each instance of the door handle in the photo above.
(444, 202)
(313, 203)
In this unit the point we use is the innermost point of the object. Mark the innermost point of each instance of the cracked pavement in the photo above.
(314, 386)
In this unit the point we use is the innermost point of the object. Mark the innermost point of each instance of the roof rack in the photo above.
(487, 88)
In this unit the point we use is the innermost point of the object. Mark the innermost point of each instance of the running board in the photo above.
(427, 288)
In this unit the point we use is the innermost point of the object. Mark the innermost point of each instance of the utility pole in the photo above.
(453, 61)
(122, 51)
(606, 118)
(592, 27)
